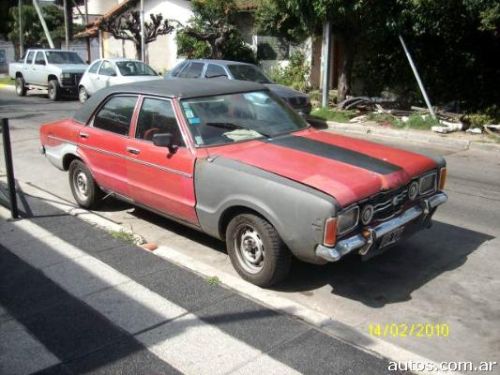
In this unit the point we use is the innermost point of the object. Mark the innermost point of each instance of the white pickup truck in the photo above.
(55, 70)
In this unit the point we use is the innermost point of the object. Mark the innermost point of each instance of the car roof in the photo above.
(170, 88)
(117, 59)
(220, 62)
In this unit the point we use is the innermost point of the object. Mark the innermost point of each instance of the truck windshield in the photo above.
(223, 119)
(248, 73)
(134, 68)
(62, 57)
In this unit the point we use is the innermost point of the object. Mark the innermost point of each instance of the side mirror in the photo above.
(165, 140)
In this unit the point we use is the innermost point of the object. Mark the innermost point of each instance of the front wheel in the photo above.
(54, 90)
(20, 86)
(83, 186)
(82, 94)
(256, 250)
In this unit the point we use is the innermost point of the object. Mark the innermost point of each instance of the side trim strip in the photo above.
(160, 167)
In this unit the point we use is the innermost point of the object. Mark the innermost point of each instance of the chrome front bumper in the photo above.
(365, 243)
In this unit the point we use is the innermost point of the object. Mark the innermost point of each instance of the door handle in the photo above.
(83, 135)
(133, 150)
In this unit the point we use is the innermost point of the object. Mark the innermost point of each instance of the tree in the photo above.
(351, 21)
(127, 26)
(213, 33)
(33, 33)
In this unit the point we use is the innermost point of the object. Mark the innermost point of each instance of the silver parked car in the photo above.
(109, 72)
(207, 68)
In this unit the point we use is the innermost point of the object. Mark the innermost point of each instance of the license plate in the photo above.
(391, 237)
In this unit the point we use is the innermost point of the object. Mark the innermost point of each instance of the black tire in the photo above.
(54, 90)
(83, 95)
(83, 186)
(20, 86)
(264, 243)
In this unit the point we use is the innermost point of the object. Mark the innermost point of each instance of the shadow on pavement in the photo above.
(395, 274)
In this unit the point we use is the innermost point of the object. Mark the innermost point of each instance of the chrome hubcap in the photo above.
(249, 249)
(81, 185)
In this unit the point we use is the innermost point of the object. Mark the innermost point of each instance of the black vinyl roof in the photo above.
(169, 88)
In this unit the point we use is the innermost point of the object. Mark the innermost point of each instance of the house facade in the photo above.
(162, 53)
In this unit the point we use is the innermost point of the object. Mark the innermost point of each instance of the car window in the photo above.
(63, 57)
(177, 69)
(157, 116)
(214, 71)
(39, 59)
(115, 114)
(192, 71)
(107, 69)
(135, 68)
(93, 68)
(29, 59)
(245, 72)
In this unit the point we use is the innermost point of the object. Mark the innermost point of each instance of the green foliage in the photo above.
(123, 236)
(417, 121)
(212, 32)
(213, 280)
(328, 114)
(295, 74)
(6, 81)
(34, 35)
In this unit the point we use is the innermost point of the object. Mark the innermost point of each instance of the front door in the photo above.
(159, 178)
(106, 72)
(103, 143)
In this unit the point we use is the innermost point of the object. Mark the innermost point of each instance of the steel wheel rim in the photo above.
(51, 92)
(81, 184)
(18, 87)
(249, 249)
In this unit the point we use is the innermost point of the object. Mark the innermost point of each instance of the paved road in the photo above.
(447, 274)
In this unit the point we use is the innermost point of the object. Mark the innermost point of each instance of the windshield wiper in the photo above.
(231, 126)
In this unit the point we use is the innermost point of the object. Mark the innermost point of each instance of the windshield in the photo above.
(225, 119)
(135, 68)
(248, 73)
(63, 57)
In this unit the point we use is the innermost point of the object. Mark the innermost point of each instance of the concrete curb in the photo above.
(413, 136)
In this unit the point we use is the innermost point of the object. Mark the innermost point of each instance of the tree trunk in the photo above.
(138, 51)
(345, 74)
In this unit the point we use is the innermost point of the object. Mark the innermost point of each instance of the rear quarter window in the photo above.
(116, 114)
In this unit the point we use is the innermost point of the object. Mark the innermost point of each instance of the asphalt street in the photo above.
(448, 274)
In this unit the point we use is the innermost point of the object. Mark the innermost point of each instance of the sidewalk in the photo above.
(74, 299)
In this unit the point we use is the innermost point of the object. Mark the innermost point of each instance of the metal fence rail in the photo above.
(7, 168)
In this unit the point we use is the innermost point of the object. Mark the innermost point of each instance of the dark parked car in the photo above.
(243, 72)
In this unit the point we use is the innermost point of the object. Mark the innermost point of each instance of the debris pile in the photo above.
(446, 121)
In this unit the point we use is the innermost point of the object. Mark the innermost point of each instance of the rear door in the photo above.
(160, 179)
(104, 142)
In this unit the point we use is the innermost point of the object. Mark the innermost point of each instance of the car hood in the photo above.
(346, 168)
(71, 68)
(284, 91)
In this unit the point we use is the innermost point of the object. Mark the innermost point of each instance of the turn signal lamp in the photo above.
(330, 236)
(442, 178)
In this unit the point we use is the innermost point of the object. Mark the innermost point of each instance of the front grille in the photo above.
(388, 204)
(73, 80)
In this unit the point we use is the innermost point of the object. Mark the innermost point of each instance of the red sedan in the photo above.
(234, 161)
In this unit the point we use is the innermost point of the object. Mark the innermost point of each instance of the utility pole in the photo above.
(143, 37)
(21, 31)
(44, 25)
(325, 52)
(66, 24)
(89, 58)
(417, 77)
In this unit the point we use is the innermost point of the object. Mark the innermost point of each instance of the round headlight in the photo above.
(413, 190)
(367, 214)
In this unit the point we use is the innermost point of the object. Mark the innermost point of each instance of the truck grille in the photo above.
(73, 80)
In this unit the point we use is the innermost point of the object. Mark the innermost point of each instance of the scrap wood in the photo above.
(448, 127)
(493, 130)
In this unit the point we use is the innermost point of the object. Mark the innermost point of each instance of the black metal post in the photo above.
(9, 168)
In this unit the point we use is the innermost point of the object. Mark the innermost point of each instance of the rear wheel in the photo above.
(83, 186)
(82, 94)
(20, 86)
(54, 90)
(256, 250)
